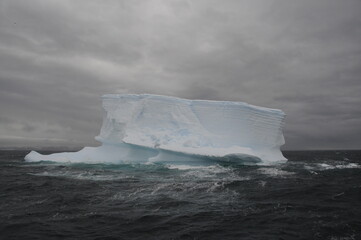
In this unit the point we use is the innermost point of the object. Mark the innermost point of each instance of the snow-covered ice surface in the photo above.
(152, 128)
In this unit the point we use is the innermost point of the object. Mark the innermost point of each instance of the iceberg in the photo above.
(153, 128)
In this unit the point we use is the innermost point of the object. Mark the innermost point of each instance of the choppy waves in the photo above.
(315, 195)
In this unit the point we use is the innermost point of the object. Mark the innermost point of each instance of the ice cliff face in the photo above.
(163, 125)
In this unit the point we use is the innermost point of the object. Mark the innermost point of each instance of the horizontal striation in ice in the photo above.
(153, 127)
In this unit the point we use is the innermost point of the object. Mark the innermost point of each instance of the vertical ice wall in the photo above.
(215, 128)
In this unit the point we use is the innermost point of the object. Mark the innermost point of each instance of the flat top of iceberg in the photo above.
(189, 101)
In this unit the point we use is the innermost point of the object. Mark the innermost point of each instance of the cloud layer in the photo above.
(58, 57)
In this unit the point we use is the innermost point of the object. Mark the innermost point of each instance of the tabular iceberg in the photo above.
(153, 128)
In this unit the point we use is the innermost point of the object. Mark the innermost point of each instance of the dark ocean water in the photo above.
(315, 195)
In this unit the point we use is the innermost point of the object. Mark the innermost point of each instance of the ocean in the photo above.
(315, 195)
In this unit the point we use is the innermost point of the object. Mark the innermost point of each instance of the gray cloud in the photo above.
(58, 57)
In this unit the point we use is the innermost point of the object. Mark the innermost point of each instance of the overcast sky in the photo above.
(57, 57)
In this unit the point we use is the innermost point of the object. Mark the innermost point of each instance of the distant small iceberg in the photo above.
(151, 128)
